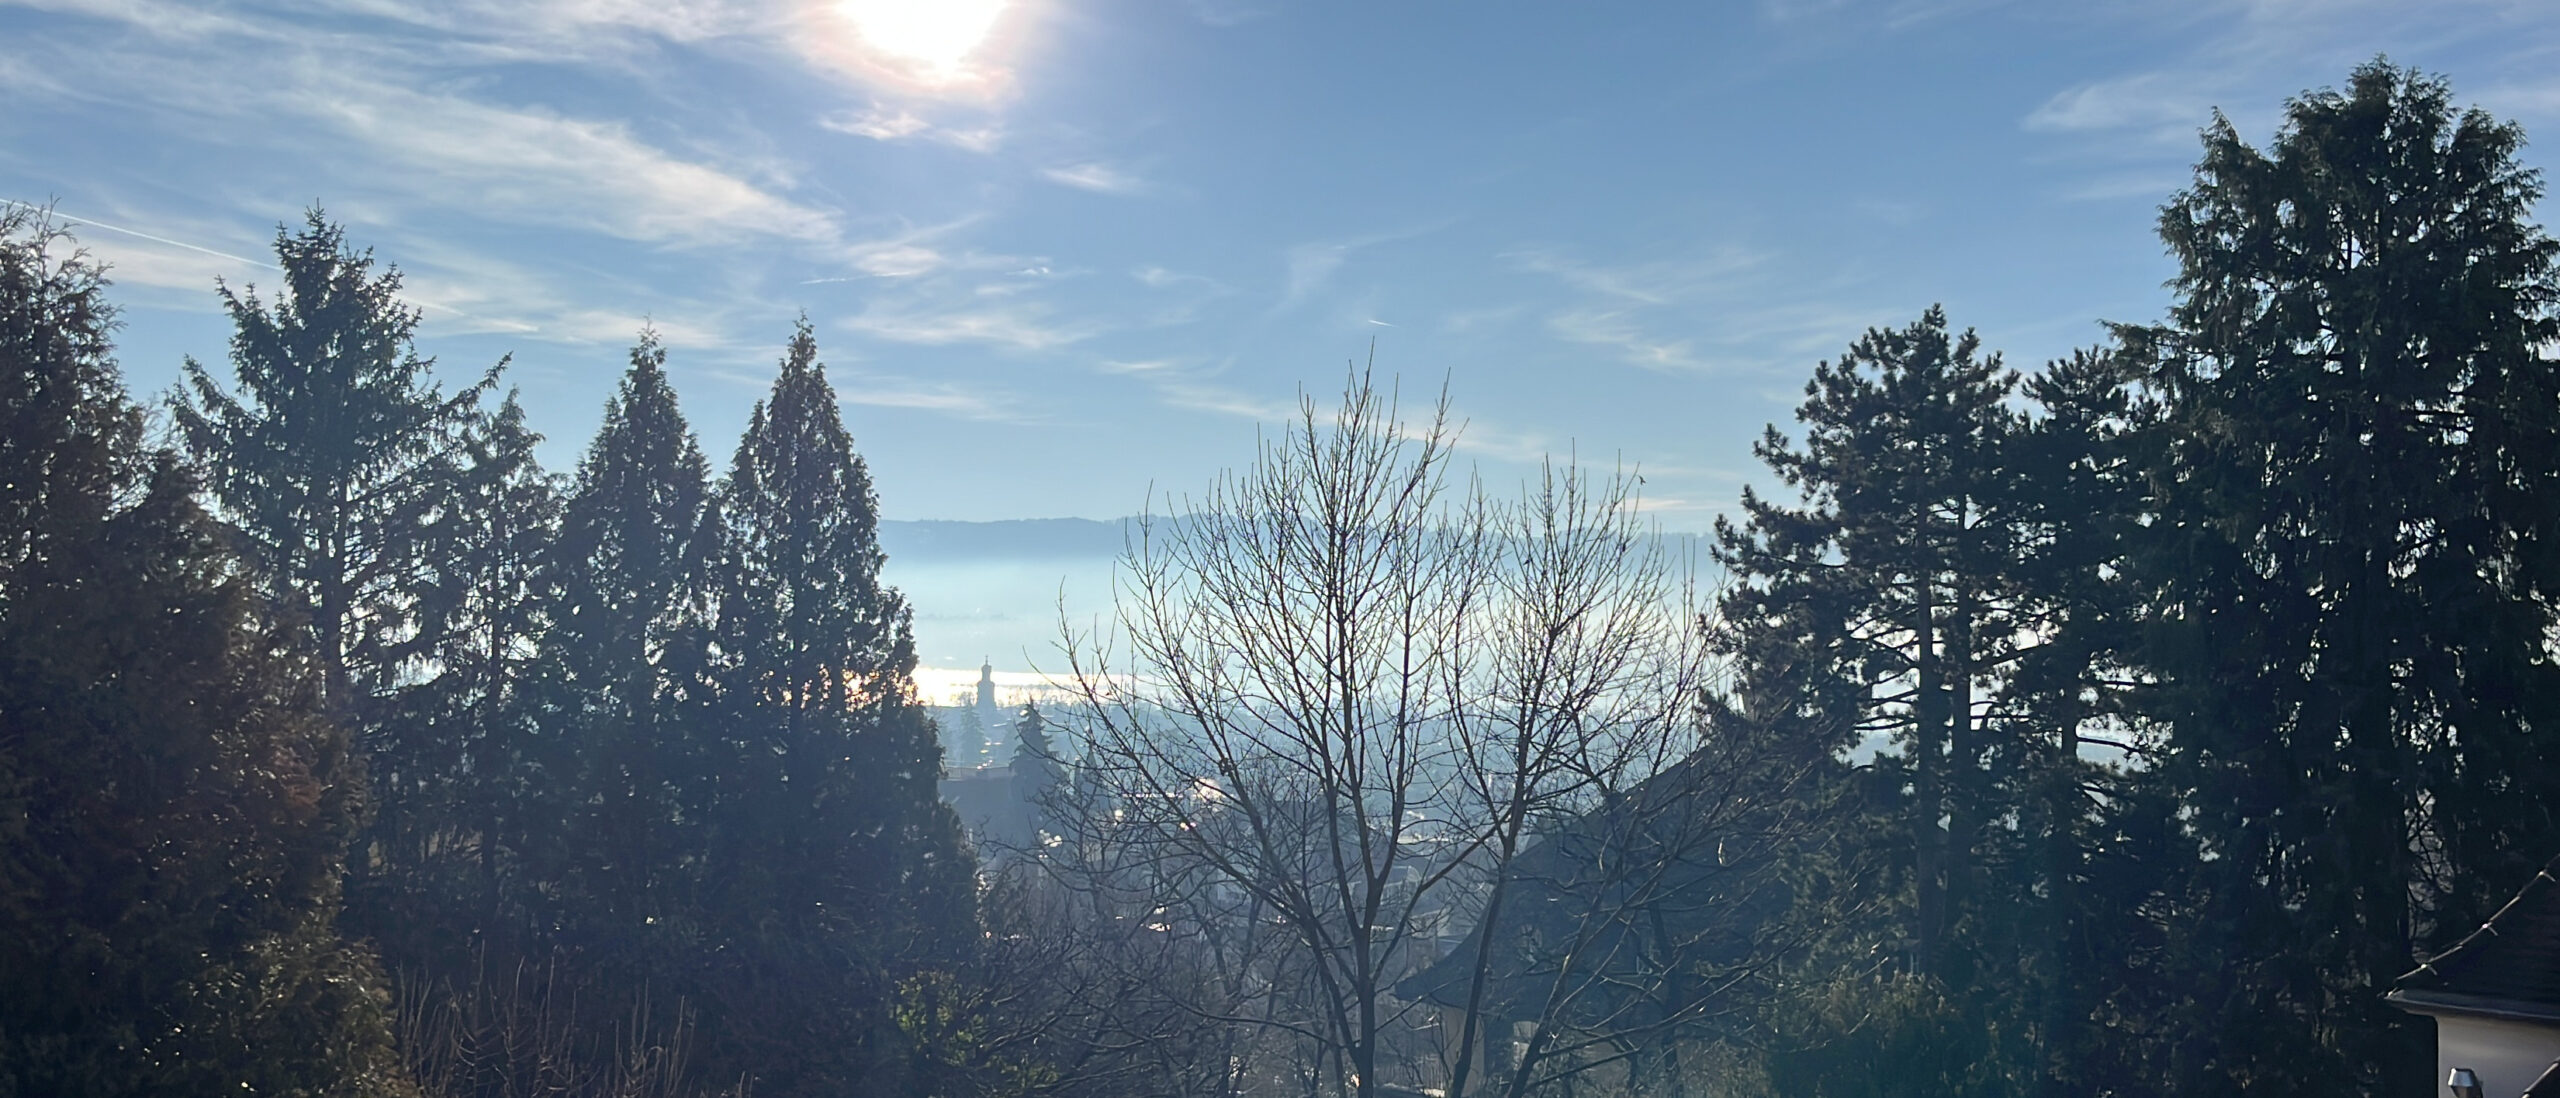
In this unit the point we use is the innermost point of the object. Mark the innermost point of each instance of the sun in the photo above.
(933, 37)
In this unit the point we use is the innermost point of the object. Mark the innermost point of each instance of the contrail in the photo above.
(137, 233)
(50, 212)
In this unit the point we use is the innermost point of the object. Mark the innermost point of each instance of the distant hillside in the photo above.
(944, 540)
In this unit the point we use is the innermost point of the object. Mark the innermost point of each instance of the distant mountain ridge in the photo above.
(913, 540)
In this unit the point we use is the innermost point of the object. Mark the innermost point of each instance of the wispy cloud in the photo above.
(923, 250)
(886, 122)
(362, 108)
(2531, 98)
(537, 166)
(1097, 177)
(185, 272)
(1227, 402)
(1655, 282)
(896, 258)
(1159, 278)
(2247, 56)
(889, 391)
(1627, 307)
(1618, 330)
(1151, 366)
(2156, 106)
(1020, 326)
(227, 259)
(1310, 267)
(879, 123)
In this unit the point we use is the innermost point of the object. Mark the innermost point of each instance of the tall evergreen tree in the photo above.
(174, 803)
(333, 450)
(465, 813)
(1903, 542)
(628, 648)
(1946, 595)
(832, 859)
(2354, 567)
(2083, 853)
(332, 455)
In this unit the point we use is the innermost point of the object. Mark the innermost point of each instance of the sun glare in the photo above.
(934, 36)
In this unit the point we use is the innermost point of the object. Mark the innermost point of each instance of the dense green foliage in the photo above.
(2204, 674)
(2354, 566)
(829, 853)
(651, 802)
(174, 803)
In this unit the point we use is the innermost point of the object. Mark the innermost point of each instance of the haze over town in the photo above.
(1791, 548)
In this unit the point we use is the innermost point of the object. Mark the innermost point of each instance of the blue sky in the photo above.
(1093, 252)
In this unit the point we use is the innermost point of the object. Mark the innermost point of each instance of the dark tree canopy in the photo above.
(2353, 571)
(174, 803)
(831, 861)
(628, 707)
(330, 449)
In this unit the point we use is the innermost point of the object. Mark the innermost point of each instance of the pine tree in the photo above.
(1891, 609)
(465, 734)
(1904, 539)
(174, 802)
(832, 861)
(627, 652)
(2353, 568)
(2082, 860)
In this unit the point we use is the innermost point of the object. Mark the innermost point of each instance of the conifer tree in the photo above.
(831, 859)
(1037, 770)
(332, 455)
(1948, 594)
(174, 802)
(465, 742)
(2080, 863)
(627, 651)
(330, 450)
(2353, 569)
(1901, 547)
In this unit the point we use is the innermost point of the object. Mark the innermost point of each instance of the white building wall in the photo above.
(2507, 1056)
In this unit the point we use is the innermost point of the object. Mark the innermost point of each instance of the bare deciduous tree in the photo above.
(1353, 722)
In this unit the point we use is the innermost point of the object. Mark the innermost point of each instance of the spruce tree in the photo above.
(331, 449)
(174, 802)
(332, 455)
(2353, 569)
(833, 864)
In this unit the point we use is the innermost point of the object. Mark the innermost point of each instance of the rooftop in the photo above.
(2509, 968)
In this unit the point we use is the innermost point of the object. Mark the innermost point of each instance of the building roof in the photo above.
(2509, 968)
(2548, 1086)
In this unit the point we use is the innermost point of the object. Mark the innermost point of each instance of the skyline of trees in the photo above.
(2123, 726)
